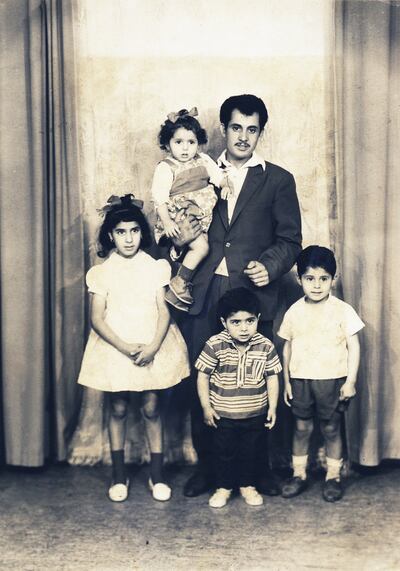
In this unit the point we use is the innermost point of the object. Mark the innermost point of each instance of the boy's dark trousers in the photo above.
(196, 331)
(236, 442)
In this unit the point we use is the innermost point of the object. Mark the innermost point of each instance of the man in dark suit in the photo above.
(254, 238)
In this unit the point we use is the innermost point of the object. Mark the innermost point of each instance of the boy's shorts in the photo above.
(321, 397)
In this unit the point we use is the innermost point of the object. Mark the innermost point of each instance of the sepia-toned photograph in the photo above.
(199, 229)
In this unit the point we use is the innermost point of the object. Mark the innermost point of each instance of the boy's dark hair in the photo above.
(247, 105)
(238, 299)
(125, 211)
(316, 257)
(185, 121)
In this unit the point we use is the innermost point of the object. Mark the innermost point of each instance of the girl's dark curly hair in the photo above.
(185, 121)
(123, 212)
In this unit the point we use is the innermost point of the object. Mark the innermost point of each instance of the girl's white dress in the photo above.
(130, 287)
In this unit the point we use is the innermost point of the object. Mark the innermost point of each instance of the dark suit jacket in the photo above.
(265, 226)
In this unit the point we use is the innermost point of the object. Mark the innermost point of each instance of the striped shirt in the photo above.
(238, 386)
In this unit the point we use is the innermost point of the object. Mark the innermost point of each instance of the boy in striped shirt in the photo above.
(238, 390)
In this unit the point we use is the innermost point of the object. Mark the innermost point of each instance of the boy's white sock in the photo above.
(334, 467)
(299, 464)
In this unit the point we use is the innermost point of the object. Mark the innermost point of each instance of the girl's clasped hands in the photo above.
(141, 354)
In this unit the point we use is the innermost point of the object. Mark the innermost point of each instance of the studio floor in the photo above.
(60, 519)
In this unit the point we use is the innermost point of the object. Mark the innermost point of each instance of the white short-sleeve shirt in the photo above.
(318, 335)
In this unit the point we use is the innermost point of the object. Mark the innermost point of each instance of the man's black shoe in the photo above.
(197, 484)
(269, 485)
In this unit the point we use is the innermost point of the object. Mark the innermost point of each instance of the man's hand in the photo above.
(189, 228)
(257, 273)
(210, 416)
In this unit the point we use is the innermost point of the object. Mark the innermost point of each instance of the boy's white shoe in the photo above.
(219, 498)
(251, 496)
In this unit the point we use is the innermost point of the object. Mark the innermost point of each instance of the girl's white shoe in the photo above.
(118, 492)
(161, 492)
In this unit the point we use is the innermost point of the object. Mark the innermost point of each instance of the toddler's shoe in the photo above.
(161, 492)
(181, 288)
(219, 498)
(332, 490)
(118, 492)
(171, 298)
(251, 496)
(293, 487)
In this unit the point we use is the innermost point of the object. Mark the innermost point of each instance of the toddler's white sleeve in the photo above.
(214, 172)
(162, 182)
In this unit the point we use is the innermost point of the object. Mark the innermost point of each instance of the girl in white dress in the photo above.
(132, 346)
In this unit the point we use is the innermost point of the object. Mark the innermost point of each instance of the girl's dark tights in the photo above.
(118, 467)
(117, 428)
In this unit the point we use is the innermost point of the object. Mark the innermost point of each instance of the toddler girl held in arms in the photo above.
(132, 339)
(184, 184)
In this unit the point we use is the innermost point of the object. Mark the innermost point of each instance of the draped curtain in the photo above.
(41, 254)
(367, 74)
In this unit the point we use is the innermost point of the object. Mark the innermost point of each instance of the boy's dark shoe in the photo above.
(293, 487)
(198, 484)
(269, 485)
(332, 490)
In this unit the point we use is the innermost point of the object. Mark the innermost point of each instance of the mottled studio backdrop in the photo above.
(137, 61)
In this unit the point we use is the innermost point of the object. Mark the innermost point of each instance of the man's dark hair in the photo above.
(238, 299)
(316, 257)
(246, 104)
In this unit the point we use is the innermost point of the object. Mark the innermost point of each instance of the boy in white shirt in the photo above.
(320, 362)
